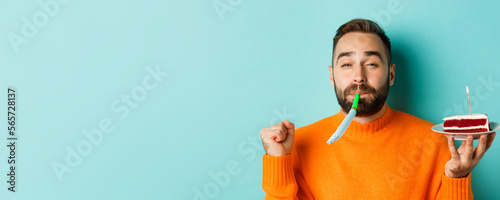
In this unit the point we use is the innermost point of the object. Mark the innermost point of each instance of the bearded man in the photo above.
(384, 153)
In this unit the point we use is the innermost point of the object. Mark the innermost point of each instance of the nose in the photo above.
(359, 74)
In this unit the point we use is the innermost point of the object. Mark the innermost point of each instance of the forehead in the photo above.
(360, 42)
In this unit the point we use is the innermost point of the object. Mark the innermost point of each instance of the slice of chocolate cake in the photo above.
(466, 123)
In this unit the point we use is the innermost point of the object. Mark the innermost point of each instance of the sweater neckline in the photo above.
(358, 129)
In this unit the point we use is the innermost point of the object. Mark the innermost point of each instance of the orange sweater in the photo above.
(397, 156)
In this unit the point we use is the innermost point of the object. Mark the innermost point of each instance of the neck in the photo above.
(367, 119)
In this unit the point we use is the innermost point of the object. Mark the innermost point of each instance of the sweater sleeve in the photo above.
(455, 188)
(282, 178)
(278, 180)
(451, 188)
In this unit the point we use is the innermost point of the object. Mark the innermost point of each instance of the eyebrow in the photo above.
(367, 53)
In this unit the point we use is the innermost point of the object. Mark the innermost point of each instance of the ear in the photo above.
(330, 68)
(392, 73)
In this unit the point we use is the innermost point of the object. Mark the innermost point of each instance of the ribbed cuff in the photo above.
(277, 170)
(456, 188)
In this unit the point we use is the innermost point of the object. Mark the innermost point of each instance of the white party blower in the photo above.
(346, 122)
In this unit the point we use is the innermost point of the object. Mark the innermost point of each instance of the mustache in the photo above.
(359, 87)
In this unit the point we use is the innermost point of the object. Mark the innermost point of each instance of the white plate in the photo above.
(463, 136)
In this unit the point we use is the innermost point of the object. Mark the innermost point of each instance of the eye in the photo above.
(345, 65)
(372, 64)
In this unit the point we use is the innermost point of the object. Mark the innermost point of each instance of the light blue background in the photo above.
(229, 77)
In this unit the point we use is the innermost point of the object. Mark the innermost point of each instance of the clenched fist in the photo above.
(278, 138)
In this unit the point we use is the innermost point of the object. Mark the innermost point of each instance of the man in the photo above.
(384, 154)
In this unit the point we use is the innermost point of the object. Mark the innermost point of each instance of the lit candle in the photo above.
(468, 98)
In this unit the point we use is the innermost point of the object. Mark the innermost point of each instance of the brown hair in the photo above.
(365, 26)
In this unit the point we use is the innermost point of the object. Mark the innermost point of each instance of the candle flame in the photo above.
(467, 89)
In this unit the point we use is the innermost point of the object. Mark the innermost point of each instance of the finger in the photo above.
(289, 126)
(290, 129)
(277, 125)
(461, 149)
(469, 148)
(480, 149)
(273, 133)
(453, 149)
(490, 139)
(284, 130)
(280, 134)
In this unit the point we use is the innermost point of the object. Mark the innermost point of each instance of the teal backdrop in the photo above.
(165, 99)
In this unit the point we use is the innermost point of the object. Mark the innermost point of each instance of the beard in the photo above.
(365, 107)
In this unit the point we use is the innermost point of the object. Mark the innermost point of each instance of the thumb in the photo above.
(289, 126)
